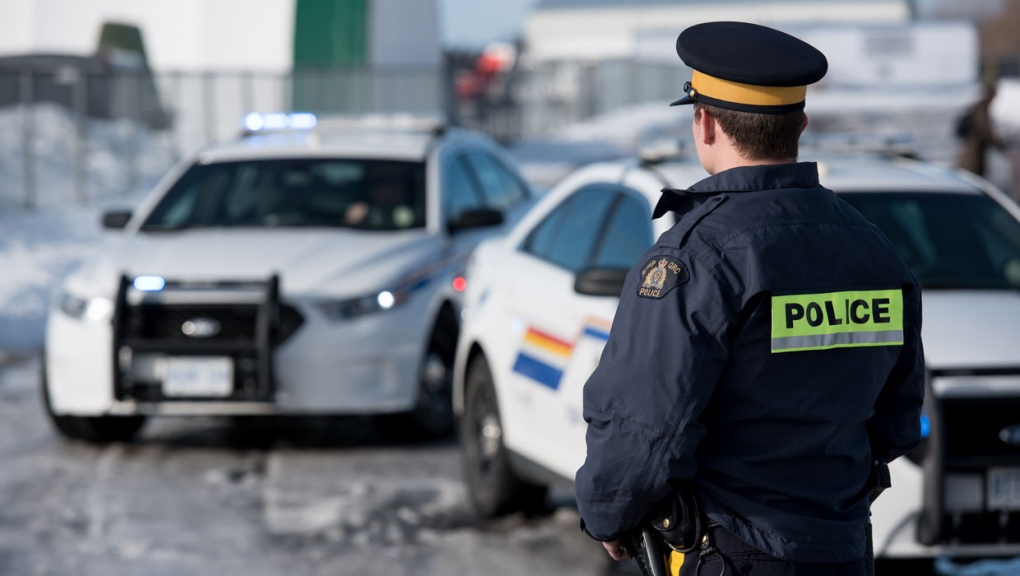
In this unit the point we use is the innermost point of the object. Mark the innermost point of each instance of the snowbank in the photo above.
(39, 247)
(119, 157)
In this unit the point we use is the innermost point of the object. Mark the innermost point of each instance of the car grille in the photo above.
(967, 443)
(237, 322)
(972, 428)
(153, 330)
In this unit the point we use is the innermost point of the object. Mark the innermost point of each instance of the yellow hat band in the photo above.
(749, 94)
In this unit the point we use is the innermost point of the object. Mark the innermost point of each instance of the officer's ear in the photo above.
(804, 123)
(704, 127)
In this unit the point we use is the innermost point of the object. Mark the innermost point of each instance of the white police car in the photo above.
(541, 299)
(310, 269)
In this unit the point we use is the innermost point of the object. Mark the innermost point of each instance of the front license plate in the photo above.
(198, 376)
(1004, 488)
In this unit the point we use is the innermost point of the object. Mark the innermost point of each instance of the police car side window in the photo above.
(459, 190)
(567, 236)
(500, 187)
(539, 242)
(627, 236)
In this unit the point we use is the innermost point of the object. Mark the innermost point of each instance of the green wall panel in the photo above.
(330, 33)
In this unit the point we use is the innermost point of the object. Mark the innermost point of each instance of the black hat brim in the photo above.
(682, 101)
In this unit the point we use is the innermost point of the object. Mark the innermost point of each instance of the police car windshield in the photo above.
(950, 241)
(322, 192)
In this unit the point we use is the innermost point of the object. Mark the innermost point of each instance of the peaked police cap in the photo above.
(747, 67)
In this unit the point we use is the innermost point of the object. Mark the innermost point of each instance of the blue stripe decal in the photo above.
(538, 371)
(596, 333)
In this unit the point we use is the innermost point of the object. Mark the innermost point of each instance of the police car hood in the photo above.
(971, 329)
(313, 262)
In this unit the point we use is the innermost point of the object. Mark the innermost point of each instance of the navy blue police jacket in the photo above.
(765, 350)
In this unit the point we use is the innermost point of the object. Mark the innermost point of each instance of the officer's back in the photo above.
(767, 349)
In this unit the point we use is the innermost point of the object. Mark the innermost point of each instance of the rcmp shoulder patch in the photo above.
(660, 275)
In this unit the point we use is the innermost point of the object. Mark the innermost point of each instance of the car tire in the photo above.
(494, 489)
(93, 429)
(432, 418)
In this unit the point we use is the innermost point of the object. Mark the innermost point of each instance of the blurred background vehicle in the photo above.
(313, 269)
(540, 302)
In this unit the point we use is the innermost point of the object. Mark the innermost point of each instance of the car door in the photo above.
(623, 238)
(550, 321)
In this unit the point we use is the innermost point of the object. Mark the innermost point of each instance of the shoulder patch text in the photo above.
(660, 275)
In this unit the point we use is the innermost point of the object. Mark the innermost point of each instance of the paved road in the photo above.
(205, 496)
(208, 496)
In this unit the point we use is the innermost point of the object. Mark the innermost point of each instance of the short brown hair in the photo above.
(759, 136)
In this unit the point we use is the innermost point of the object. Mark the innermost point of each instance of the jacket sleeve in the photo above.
(642, 403)
(895, 427)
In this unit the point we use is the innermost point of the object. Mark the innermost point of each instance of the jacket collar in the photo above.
(740, 179)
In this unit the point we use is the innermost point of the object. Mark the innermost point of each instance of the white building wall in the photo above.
(404, 33)
(187, 35)
(613, 32)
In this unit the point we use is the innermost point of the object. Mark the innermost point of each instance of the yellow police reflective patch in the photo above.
(660, 275)
(837, 320)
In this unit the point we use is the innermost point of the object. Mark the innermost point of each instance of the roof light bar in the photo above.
(257, 122)
(384, 122)
(149, 283)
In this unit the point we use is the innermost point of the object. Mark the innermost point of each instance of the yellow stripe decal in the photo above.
(547, 344)
(746, 93)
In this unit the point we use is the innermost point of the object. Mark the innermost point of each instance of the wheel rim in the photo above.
(487, 436)
(490, 438)
(434, 399)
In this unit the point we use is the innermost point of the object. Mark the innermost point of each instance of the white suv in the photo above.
(295, 271)
(541, 299)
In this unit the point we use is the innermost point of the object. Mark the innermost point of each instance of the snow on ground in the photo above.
(36, 249)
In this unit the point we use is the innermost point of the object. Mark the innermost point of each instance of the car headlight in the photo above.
(96, 309)
(370, 303)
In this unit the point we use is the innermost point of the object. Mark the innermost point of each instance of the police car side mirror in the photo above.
(600, 281)
(116, 219)
(475, 218)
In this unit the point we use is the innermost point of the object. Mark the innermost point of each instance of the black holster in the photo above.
(677, 523)
(878, 480)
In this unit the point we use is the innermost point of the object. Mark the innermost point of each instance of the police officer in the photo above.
(766, 350)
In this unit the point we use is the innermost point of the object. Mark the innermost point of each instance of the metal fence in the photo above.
(73, 134)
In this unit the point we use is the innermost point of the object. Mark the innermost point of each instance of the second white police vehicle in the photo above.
(309, 267)
(541, 300)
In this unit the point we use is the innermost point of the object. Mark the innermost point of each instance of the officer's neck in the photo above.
(718, 152)
(723, 159)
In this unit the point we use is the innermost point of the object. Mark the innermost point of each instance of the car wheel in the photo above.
(493, 487)
(94, 429)
(432, 417)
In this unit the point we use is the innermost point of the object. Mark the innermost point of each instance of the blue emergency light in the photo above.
(258, 122)
(149, 283)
